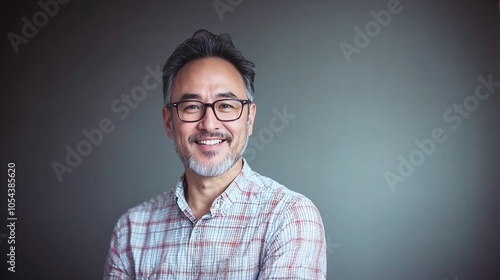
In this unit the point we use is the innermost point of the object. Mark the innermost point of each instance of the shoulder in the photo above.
(278, 197)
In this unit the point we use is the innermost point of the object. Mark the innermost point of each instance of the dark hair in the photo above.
(206, 44)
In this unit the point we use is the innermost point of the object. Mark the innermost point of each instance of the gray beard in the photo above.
(212, 170)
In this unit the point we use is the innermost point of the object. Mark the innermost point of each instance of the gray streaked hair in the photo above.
(206, 44)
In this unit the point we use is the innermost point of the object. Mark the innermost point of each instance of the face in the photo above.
(209, 147)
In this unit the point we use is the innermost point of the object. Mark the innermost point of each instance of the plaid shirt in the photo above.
(256, 229)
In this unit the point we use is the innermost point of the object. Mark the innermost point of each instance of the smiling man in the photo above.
(222, 220)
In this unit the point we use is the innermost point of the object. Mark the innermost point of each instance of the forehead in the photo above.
(208, 77)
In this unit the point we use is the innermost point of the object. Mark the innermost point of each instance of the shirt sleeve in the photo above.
(297, 250)
(118, 265)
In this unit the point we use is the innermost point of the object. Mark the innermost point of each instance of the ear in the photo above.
(251, 117)
(167, 121)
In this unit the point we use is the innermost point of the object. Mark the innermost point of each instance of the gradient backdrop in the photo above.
(390, 133)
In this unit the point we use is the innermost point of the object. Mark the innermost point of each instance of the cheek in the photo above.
(179, 132)
(238, 130)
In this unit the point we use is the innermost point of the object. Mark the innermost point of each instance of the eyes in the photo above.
(226, 106)
(225, 110)
(222, 106)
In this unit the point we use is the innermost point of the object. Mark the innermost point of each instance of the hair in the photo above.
(206, 44)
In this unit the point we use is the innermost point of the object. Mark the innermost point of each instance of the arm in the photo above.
(118, 266)
(297, 249)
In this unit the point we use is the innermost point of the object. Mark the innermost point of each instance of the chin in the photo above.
(212, 168)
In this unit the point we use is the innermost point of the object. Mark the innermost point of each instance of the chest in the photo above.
(217, 248)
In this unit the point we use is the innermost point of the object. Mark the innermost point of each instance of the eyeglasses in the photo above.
(225, 110)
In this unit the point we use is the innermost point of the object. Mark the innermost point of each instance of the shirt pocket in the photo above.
(237, 268)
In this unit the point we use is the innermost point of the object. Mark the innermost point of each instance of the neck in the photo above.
(202, 191)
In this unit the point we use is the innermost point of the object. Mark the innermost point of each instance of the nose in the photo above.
(209, 122)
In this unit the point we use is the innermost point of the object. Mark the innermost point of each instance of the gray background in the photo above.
(352, 122)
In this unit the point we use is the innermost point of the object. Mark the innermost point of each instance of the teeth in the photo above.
(210, 142)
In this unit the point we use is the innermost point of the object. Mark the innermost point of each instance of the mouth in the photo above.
(209, 142)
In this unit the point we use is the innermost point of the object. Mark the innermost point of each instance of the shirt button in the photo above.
(195, 269)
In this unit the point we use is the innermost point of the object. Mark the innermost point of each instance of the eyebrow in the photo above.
(187, 96)
(227, 95)
(195, 96)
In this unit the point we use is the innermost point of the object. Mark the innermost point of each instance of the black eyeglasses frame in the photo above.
(211, 105)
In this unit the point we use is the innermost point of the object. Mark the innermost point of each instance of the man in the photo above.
(222, 220)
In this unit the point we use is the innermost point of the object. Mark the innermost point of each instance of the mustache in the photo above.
(215, 134)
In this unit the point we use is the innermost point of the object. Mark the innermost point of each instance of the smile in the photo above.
(210, 142)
